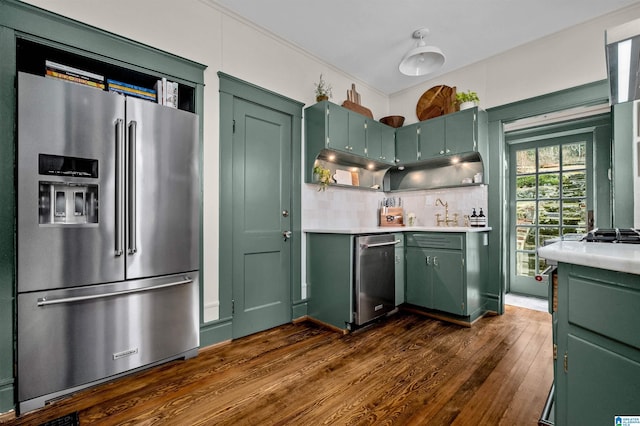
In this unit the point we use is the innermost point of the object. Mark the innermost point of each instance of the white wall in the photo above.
(201, 31)
(566, 59)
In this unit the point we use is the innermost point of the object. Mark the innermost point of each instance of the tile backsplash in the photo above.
(350, 208)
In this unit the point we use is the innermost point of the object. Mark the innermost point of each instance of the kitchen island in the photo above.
(440, 271)
(597, 366)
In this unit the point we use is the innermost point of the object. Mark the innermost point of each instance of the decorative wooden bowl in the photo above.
(393, 121)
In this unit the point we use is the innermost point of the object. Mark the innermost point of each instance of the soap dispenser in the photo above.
(482, 219)
(474, 219)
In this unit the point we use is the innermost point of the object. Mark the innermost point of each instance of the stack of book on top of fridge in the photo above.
(74, 75)
(167, 92)
(131, 90)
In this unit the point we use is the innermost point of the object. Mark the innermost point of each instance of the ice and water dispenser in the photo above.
(74, 201)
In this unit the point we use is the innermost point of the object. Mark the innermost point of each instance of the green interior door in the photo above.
(550, 196)
(261, 200)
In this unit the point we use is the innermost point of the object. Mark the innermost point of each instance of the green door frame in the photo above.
(590, 94)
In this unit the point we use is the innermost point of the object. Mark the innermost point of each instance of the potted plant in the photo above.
(322, 176)
(467, 99)
(323, 90)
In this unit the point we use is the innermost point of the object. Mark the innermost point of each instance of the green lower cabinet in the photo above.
(598, 362)
(435, 279)
(330, 278)
(419, 288)
(445, 272)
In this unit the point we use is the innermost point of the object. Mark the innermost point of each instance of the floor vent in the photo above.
(66, 420)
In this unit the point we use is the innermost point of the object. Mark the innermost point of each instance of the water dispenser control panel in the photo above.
(72, 202)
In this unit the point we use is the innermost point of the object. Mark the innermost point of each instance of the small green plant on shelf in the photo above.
(323, 90)
(468, 96)
(322, 176)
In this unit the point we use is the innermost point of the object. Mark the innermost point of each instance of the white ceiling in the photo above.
(368, 38)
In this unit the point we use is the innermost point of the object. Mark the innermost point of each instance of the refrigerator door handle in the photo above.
(119, 186)
(44, 302)
(131, 198)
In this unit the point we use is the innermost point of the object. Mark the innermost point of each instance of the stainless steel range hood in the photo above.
(623, 61)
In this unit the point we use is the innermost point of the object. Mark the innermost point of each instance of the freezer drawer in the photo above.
(70, 338)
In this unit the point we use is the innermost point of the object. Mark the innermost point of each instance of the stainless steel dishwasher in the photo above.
(374, 276)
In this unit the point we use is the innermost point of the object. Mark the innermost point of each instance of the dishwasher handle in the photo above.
(388, 243)
(44, 302)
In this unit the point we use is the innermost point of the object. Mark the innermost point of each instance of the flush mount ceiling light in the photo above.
(422, 59)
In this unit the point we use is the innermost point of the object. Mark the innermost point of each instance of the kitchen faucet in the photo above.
(446, 221)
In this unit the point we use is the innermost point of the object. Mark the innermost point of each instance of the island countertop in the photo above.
(610, 256)
(393, 229)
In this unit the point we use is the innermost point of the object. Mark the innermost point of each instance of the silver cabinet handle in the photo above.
(44, 302)
(286, 235)
(428, 260)
(390, 243)
(131, 204)
(119, 186)
(435, 261)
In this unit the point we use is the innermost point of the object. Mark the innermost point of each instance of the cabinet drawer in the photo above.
(435, 240)
(606, 309)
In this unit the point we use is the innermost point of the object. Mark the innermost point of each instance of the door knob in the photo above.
(285, 213)
(286, 235)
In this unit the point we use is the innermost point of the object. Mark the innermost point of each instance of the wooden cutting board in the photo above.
(353, 103)
(437, 101)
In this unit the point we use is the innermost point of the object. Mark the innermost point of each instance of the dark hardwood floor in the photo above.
(404, 370)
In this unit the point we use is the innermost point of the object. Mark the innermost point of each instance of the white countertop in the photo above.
(611, 256)
(383, 229)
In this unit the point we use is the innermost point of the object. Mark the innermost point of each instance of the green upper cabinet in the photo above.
(343, 130)
(357, 139)
(407, 144)
(337, 127)
(461, 131)
(380, 142)
(432, 138)
(451, 134)
(347, 139)
(330, 126)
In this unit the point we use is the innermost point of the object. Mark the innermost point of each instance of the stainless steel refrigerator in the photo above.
(108, 226)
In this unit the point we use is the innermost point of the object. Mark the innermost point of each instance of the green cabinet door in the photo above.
(448, 281)
(407, 144)
(432, 138)
(600, 384)
(387, 144)
(418, 276)
(337, 127)
(330, 278)
(445, 271)
(435, 279)
(449, 134)
(374, 140)
(380, 142)
(461, 131)
(357, 134)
